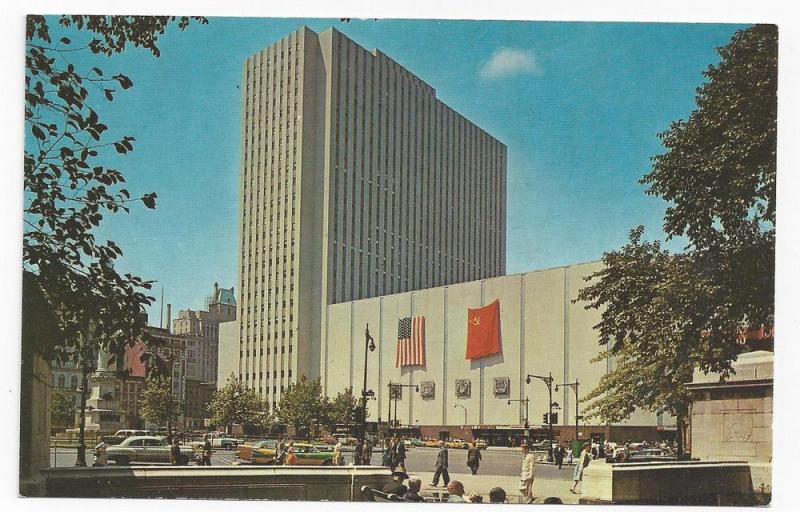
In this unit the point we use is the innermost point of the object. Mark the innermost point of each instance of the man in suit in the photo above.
(474, 458)
(400, 453)
(441, 466)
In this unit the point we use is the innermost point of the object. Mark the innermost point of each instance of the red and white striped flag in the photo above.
(410, 342)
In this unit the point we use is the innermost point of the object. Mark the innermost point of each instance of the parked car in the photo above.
(431, 443)
(264, 452)
(307, 455)
(145, 449)
(417, 442)
(651, 455)
(457, 443)
(245, 451)
(128, 433)
(219, 441)
(481, 445)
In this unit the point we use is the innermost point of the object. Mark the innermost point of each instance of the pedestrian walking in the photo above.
(583, 460)
(386, 459)
(100, 457)
(174, 452)
(206, 450)
(366, 458)
(291, 458)
(338, 460)
(526, 474)
(358, 453)
(400, 454)
(559, 455)
(280, 452)
(441, 466)
(474, 458)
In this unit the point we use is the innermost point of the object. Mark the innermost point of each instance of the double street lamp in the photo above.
(548, 381)
(394, 394)
(526, 401)
(574, 386)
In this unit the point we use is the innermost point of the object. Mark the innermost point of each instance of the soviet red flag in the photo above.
(483, 331)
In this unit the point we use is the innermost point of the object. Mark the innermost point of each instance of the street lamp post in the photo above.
(526, 401)
(574, 386)
(548, 381)
(465, 412)
(368, 347)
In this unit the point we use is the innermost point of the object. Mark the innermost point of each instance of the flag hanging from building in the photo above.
(410, 342)
(483, 331)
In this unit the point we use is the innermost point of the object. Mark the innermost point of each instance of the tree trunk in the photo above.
(680, 433)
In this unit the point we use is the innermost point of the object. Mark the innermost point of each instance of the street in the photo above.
(500, 462)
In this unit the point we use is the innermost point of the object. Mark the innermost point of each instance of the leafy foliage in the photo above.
(719, 175)
(62, 408)
(157, 403)
(345, 408)
(303, 405)
(235, 403)
(665, 314)
(67, 188)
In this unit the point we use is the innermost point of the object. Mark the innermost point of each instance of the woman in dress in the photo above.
(583, 460)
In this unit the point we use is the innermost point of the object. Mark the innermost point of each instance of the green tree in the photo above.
(665, 314)
(62, 408)
(157, 403)
(654, 307)
(344, 408)
(303, 405)
(68, 189)
(235, 403)
(718, 176)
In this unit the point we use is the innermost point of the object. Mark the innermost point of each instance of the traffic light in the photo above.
(544, 418)
(554, 417)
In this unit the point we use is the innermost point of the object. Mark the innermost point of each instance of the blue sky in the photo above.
(578, 105)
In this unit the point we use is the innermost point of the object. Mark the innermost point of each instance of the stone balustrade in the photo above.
(216, 482)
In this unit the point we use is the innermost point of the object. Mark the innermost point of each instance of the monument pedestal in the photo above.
(731, 419)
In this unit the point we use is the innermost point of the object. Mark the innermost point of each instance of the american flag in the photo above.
(410, 342)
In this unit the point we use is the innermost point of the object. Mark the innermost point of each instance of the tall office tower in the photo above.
(356, 181)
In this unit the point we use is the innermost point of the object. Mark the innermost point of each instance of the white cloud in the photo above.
(506, 62)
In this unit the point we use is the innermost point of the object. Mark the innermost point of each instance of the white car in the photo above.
(143, 449)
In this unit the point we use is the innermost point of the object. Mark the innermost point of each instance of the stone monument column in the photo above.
(103, 412)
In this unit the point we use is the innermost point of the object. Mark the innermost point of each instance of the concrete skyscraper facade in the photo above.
(356, 181)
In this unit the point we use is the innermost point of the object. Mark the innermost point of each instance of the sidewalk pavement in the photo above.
(482, 484)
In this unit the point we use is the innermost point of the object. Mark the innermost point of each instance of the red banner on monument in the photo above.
(483, 331)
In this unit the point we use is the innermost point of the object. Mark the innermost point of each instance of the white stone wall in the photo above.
(541, 332)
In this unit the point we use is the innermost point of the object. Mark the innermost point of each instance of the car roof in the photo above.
(134, 438)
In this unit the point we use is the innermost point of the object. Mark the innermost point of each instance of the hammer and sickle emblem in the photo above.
(476, 320)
